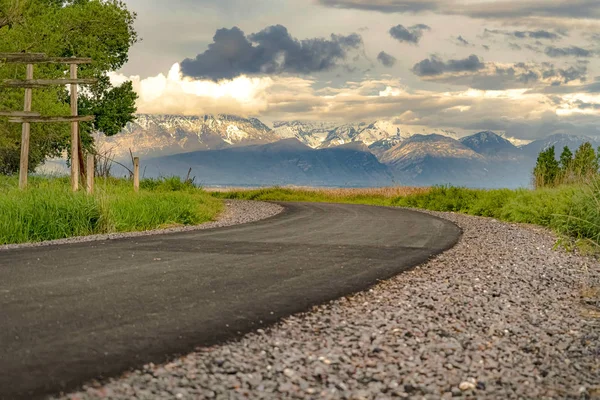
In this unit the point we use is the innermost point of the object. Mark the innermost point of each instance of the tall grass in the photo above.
(48, 209)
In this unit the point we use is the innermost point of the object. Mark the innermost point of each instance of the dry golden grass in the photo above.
(388, 192)
(338, 193)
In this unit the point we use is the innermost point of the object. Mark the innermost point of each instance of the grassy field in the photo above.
(48, 209)
(572, 211)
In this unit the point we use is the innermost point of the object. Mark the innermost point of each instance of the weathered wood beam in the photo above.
(40, 58)
(40, 83)
(23, 55)
(19, 114)
(81, 118)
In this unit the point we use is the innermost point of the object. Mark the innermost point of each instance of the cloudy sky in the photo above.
(525, 68)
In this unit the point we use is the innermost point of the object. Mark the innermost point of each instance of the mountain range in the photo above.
(230, 150)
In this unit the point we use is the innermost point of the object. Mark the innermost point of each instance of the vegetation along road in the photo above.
(80, 311)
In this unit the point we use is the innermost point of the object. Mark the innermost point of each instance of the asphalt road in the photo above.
(75, 312)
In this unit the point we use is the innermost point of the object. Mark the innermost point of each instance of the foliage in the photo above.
(546, 168)
(100, 29)
(580, 167)
(48, 209)
(566, 159)
(585, 162)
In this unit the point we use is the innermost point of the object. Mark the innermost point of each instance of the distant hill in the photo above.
(281, 163)
(435, 159)
(490, 144)
(559, 141)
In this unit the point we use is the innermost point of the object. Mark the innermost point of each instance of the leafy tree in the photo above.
(585, 162)
(566, 159)
(546, 169)
(100, 29)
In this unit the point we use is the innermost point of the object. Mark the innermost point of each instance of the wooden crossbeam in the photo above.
(32, 119)
(40, 83)
(19, 114)
(41, 58)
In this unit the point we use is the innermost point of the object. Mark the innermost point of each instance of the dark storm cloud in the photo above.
(386, 59)
(503, 9)
(411, 34)
(571, 51)
(271, 51)
(435, 66)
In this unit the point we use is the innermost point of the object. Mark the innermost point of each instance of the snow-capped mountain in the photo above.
(156, 135)
(312, 134)
(362, 132)
(329, 134)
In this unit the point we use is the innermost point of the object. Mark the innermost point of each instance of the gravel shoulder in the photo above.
(501, 315)
(236, 212)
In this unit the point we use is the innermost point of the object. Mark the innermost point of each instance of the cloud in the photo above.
(502, 9)
(435, 66)
(272, 51)
(412, 34)
(386, 59)
(386, 6)
(175, 94)
(473, 73)
(537, 34)
(519, 113)
(571, 51)
(514, 46)
(462, 41)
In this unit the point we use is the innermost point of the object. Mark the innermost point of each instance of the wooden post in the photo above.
(25, 133)
(136, 174)
(74, 133)
(91, 172)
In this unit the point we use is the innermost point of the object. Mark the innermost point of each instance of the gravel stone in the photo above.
(501, 316)
(236, 212)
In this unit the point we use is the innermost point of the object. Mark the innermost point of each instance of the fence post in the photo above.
(91, 173)
(25, 134)
(136, 174)
(74, 133)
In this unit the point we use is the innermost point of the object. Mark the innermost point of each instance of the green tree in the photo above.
(566, 159)
(546, 169)
(566, 165)
(585, 162)
(100, 29)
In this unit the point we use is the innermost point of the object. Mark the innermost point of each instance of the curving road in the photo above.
(75, 312)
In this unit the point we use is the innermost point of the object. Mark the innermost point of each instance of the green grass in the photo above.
(569, 210)
(48, 209)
